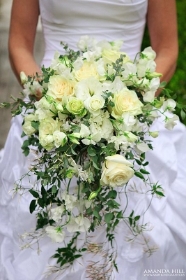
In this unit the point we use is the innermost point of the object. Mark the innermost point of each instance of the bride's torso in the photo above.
(106, 19)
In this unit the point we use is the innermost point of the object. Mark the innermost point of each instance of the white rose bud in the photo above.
(154, 134)
(23, 78)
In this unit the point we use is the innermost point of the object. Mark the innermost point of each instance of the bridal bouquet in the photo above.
(87, 120)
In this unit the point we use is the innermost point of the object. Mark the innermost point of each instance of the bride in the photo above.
(110, 20)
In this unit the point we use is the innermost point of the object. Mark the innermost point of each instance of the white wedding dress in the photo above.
(102, 19)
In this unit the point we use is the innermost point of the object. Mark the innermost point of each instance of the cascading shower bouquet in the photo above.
(87, 120)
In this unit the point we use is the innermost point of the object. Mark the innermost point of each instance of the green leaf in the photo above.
(25, 144)
(35, 125)
(109, 217)
(91, 151)
(183, 114)
(144, 171)
(159, 193)
(34, 193)
(54, 189)
(113, 204)
(138, 174)
(112, 194)
(96, 214)
(120, 215)
(33, 206)
(136, 218)
(26, 151)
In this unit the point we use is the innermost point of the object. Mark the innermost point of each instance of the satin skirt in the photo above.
(167, 166)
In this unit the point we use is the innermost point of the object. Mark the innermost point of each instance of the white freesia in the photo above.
(149, 53)
(89, 87)
(79, 223)
(107, 129)
(120, 142)
(86, 43)
(56, 213)
(142, 147)
(55, 233)
(85, 131)
(69, 200)
(171, 122)
(60, 138)
(32, 89)
(145, 66)
(149, 95)
(129, 72)
(169, 104)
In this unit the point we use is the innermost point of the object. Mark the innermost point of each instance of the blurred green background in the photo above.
(178, 82)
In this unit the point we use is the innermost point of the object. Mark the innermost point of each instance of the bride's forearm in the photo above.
(22, 60)
(166, 65)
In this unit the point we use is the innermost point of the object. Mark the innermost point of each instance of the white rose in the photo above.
(48, 126)
(116, 171)
(86, 71)
(59, 88)
(27, 126)
(55, 233)
(126, 101)
(47, 142)
(94, 103)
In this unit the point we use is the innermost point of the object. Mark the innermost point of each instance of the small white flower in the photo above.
(149, 53)
(154, 134)
(79, 223)
(86, 43)
(69, 200)
(56, 213)
(55, 233)
(169, 104)
(85, 131)
(143, 147)
(171, 122)
(23, 78)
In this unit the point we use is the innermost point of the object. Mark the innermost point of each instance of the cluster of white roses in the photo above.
(99, 97)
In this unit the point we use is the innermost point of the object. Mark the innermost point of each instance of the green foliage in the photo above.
(178, 82)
